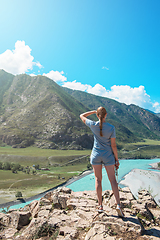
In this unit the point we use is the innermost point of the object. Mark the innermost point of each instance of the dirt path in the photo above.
(19, 181)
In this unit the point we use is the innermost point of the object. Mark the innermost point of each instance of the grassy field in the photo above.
(38, 152)
(62, 165)
(43, 157)
(30, 184)
(147, 149)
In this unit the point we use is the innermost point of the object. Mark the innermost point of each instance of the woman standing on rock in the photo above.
(104, 152)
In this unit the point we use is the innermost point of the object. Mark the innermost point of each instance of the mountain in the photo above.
(5, 82)
(140, 122)
(37, 111)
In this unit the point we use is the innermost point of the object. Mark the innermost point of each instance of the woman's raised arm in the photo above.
(84, 116)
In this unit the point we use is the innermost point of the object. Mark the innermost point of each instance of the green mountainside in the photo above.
(5, 82)
(37, 111)
(138, 121)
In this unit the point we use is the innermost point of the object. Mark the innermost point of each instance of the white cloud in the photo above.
(76, 85)
(38, 64)
(156, 105)
(97, 90)
(56, 76)
(123, 93)
(105, 68)
(129, 95)
(18, 60)
(32, 75)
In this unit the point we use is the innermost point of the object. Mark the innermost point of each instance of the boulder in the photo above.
(145, 197)
(16, 219)
(156, 213)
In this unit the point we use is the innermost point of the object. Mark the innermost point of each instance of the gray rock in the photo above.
(16, 219)
(73, 215)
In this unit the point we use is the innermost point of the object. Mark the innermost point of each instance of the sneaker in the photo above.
(119, 211)
(100, 209)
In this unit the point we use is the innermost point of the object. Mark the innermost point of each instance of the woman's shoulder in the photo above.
(109, 125)
(91, 122)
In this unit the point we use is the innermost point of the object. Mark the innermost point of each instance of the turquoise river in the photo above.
(88, 182)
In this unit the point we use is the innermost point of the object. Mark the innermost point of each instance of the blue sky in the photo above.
(109, 48)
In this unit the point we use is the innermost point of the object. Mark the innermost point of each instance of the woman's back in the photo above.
(108, 130)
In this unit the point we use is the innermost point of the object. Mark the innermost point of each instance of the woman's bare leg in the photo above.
(98, 182)
(111, 176)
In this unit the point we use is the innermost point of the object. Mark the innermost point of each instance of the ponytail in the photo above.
(101, 112)
(100, 126)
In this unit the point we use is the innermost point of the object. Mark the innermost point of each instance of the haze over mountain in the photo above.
(37, 111)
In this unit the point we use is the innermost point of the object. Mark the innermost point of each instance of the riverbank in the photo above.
(38, 196)
(154, 166)
(86, 180)
(139, 179)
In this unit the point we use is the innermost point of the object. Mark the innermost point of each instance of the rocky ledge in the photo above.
(64, 214)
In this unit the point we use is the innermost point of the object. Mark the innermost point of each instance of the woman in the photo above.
(104, 152)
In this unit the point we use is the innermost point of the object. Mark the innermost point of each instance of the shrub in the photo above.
(18, 195)
(14, 170)
(16, 167)
(36, 166)
(89, 166)
(33, 171)
(46, 230)
(7, 166)
(1, 165)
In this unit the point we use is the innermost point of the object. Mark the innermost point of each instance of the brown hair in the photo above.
(101, 112)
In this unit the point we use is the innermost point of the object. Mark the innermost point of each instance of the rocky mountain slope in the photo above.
(140, 122)
(63, 214)
(37, 111)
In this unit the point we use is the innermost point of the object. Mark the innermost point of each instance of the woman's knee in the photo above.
(111, 173)
(112, 179)
(98, 180)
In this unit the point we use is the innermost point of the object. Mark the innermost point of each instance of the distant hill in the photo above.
(157, 114)
(138, 121)
(37, 111)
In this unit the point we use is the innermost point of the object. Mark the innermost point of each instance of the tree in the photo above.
(33, 171)
(7, 166)
(14, 170)
(36, 166)
(18, 195)
(89, 166)
(17, 166)
(1, 165)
